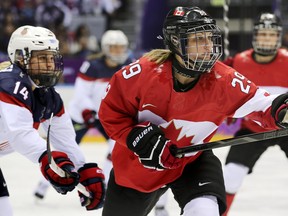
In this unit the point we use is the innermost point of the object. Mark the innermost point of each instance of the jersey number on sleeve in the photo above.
(23, 91)
(238, 80)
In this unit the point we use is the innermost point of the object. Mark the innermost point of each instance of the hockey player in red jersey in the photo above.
(266, 65)
(28, 99)
(177, 96)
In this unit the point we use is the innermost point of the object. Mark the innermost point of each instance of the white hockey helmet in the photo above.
(115, 37)
(26, 39)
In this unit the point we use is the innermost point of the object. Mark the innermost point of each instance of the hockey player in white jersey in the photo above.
(28, 99)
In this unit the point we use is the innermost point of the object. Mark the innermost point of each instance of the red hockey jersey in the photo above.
(271, 76)
(143, 91)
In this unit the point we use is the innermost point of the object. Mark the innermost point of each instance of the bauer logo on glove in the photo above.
(149, 143)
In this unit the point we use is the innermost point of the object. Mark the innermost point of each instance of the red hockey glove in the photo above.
(61, 184)
(279, 110)
(89, 117)
(152, 148)
(92, 177)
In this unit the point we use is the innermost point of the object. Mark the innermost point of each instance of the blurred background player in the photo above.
(28, 99)
(91, 83)
(266, 65)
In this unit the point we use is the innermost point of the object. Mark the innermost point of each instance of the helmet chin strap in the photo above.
(178, 68)
(34, 86)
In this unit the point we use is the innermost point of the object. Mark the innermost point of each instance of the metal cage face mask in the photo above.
(267, 39)
(45, 70)
(111, 41)
(119, 57)
(201, 47)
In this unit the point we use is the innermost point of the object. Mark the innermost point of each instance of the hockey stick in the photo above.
(251, 138)
(56, 168)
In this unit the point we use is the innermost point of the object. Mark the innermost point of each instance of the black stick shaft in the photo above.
(251, 138)
(56, 168)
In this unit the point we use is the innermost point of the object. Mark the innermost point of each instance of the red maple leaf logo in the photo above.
(172, 133)
(178, 12)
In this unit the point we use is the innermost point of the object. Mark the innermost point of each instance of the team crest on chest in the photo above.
(175, 130)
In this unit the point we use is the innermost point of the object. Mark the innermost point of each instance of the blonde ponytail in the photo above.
(158, 55)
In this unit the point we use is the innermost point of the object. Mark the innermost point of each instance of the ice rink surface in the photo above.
(264, 193)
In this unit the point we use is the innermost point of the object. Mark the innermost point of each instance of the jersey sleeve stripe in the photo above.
(12, 100)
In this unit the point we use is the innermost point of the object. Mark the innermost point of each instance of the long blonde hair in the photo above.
(158, 55)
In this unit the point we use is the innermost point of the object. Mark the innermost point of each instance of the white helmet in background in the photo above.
(115, 37)
(26, 39)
